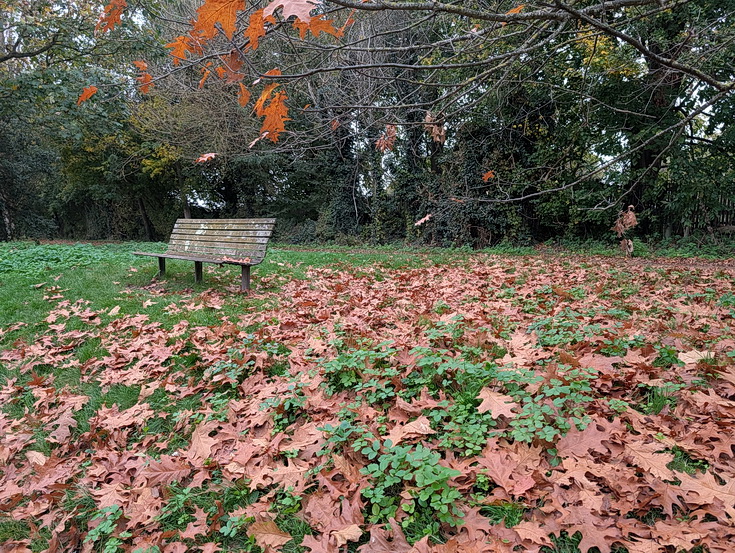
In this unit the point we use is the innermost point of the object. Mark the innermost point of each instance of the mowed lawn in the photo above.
(366, 400)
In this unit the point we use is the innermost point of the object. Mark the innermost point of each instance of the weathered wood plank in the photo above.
(258, 220)
(244, 233)
(215, 251)
(225, 225)
(206, 238)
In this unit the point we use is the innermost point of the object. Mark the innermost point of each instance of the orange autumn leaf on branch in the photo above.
(255, 30)
(230, 70)
(87, 93)
(111, 17)
(146, 82)
(489, 175)
(517, 9)
(513, 11)
(317, 25)
(214, 12)
(276, 115)
(182, 45)
(205, 74)
(243, 96)
(145, 79)
(272, 106)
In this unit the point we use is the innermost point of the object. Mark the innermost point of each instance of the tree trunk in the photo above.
(147, 225)
(665, 88)
(182, 191)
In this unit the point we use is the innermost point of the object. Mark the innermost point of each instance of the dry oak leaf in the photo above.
(533, 533)
(392, 541)
(517, 9)
(272, 106)
(416, 429)
(268, 536)
(349, 470)
(110, 494)
(197, 527)
(317, 25)
(682, 537)
(183, 44)
(349, 533)
(579, 443)
(497, 404)
(111, 16)
(650, 458)
(708, 491)
(475, 526)
(243, 95)
(320, 511)
(201, 444)
(256, 29)
(388, 139)
(300, 8)
(65, 422)
(694, 356)
(290, 475)
(36, 457)
(214, 12)
(597, 534)
(165, 471)
(16, 546)
(87, 93)
(319, 544)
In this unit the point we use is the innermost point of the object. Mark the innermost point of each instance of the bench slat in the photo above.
(206, 241)
(195, 245)
(255, 220)
(231, 225)
(255, 256)
(228, 228)
(201, 258)
(261, 237)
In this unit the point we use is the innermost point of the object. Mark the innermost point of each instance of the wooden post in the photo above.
(161, 266)
(245, 279)
(197, 271)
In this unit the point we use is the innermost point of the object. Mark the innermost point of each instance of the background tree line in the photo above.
(485, 121)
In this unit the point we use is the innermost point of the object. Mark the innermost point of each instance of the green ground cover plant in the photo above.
(365, 401)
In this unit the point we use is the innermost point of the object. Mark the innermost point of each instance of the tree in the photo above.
(369, 64)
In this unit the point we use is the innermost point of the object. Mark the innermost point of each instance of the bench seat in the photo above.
(219, 241)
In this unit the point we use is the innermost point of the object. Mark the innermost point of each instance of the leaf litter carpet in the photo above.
(513, 401)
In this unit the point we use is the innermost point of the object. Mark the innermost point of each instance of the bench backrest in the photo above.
(243, 240)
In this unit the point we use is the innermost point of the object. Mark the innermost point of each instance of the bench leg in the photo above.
(197, 271)
(245, 278)
(161, 266)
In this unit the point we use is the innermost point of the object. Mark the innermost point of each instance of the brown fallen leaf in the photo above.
(268, 535)
(497, 404)
(349, 533)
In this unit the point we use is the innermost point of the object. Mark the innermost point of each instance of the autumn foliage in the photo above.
(567, 393)
(215, 17)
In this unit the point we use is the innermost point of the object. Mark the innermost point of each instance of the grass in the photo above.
(95, 328)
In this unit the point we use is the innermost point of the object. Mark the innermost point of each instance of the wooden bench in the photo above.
(233, 241)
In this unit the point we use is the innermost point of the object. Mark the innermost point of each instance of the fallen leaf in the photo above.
(268, 536)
